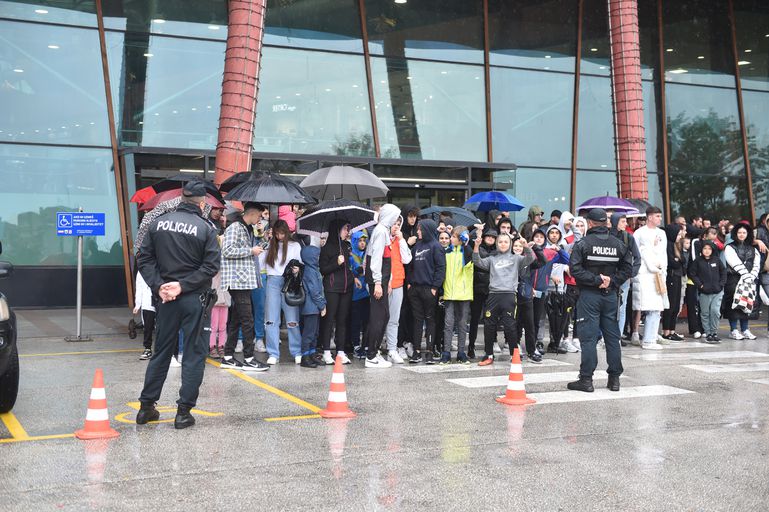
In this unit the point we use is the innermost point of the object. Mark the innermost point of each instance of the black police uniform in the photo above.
(180, 246)
(599, 253)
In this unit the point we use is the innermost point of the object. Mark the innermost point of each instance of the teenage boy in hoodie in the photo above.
(314, 305)
(400, 255)
(480, 288)
(457, 294)
(535, 219)
(709, 277)
(428, 271)
(409, 228)
(504, 268)
(378, 271)
(360, 296)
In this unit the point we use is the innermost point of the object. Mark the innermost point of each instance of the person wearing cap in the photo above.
(599, 263)
(178, 258)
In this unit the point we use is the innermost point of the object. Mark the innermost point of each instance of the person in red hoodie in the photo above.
(400, 255)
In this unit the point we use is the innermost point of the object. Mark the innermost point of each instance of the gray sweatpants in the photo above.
(710, 311)
(457, 311)
(395, 301)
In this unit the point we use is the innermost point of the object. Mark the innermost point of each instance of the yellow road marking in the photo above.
(38, 438)
(288, 418)
(82, 353)
(123, 417)
(14, 427)
(275, 391)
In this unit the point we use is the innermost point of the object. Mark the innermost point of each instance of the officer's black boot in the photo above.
(147, 412)
(613, 383)
(183, 417)
(583, 384)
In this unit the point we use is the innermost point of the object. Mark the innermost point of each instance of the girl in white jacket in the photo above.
(143, 302)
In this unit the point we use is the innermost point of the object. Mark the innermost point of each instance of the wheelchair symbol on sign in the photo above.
(64, 220)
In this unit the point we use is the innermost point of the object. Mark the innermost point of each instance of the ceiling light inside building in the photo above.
(444, 72)
(593, 49)
(214, 27)
(669, 50)
(18, 70)
(328, 90)
(678, 71)
(400, 1)
(53, 46)
(408, 78)
(547, 56)
(41, 11)
(748, 50)
(148, 55)
(743, 62)
(159, 21)
(701, 57)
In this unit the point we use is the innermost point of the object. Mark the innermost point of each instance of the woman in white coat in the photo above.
(652, 244)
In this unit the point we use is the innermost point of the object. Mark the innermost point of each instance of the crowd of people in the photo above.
(423, 286)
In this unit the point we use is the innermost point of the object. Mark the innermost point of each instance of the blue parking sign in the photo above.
(80, 224)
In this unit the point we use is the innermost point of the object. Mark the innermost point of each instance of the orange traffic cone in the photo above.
(97, 417)
(516, 391)
(337, 396)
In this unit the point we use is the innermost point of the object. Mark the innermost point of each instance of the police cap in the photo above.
(194, 189)
(597, 215)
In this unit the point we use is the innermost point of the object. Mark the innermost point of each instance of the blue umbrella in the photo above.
(493, 200)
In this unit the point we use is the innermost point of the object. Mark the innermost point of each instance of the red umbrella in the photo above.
(143, 195)
(172, 194)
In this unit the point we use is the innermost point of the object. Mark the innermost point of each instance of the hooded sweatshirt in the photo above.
(336, 278)
(577, 234)
(459, 273)
(554, 254)
(286, 212)
(481, 276)
(357, 259)
(503, 268)
(378, 251)
(568, 234)
(708, 275)
(675, 261)
(428, 264)
(527, 275)
(400, 256)
(527, 228)
(312, 281)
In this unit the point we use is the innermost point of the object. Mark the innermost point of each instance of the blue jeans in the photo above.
(257, 299)
(621, 314)
(274, 303)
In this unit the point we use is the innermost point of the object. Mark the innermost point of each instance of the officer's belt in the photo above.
(603, 258)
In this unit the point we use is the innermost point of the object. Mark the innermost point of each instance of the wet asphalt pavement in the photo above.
(688, 431)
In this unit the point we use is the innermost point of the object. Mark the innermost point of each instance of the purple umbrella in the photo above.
(608, 203)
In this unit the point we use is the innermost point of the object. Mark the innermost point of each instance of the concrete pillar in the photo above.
(627, 98)
(240, 87)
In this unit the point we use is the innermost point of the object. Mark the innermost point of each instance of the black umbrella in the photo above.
(557, 316)
(241, 177)
(641, 205)
(316, 219)
(459, 216)
(269, 189)
(179, 180)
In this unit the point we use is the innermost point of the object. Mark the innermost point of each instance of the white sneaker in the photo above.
(345, 359)
(297, 359)
(748, 335)
(736, 335)
(568, 347)
(497, 348)
(395, 357)
(575, 343)
(697, 335)
(651, 346)
(378, 362)
(176, 363)
(402, 352)
(327, 357)
(272, 360)
(409, 349)
(260, 346)
(239, 346)
(635, 339)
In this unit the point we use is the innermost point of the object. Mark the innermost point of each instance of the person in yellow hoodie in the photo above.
(457, 294)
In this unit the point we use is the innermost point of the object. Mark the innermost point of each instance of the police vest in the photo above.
(602, 255)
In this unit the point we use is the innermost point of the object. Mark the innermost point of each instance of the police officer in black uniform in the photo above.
(600, 263)
(178, 258)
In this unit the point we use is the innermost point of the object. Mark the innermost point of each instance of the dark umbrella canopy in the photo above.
(640, 205)
(344, 181)
(460, 216)
(557, 307)
(616, 204)
(241, 177)
(178, 181)
(269, 189)
(317, 219)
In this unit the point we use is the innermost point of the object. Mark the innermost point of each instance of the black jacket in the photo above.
(676, 263)
(600, 253)
(709, 276)
(428, 266)
(180, 246)
(480, 276)
(336, 278)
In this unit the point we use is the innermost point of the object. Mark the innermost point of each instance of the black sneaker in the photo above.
(540, 346)
(147, 413)
(555, 348)
(445, 358)
(252, 365)
(674, 336)
(415, 358)
(471, 353)
(428, 358)
(712, 339)
(317, 358)
(583, 384)
(613, 383)
(462, 358)
(183, 418)
(231, 362)
(146, 354)
(535, 358)
(716, 338)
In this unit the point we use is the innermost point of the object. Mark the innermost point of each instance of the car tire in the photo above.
(9, 382)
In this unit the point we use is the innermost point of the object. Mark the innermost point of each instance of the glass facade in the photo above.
(419, 98)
